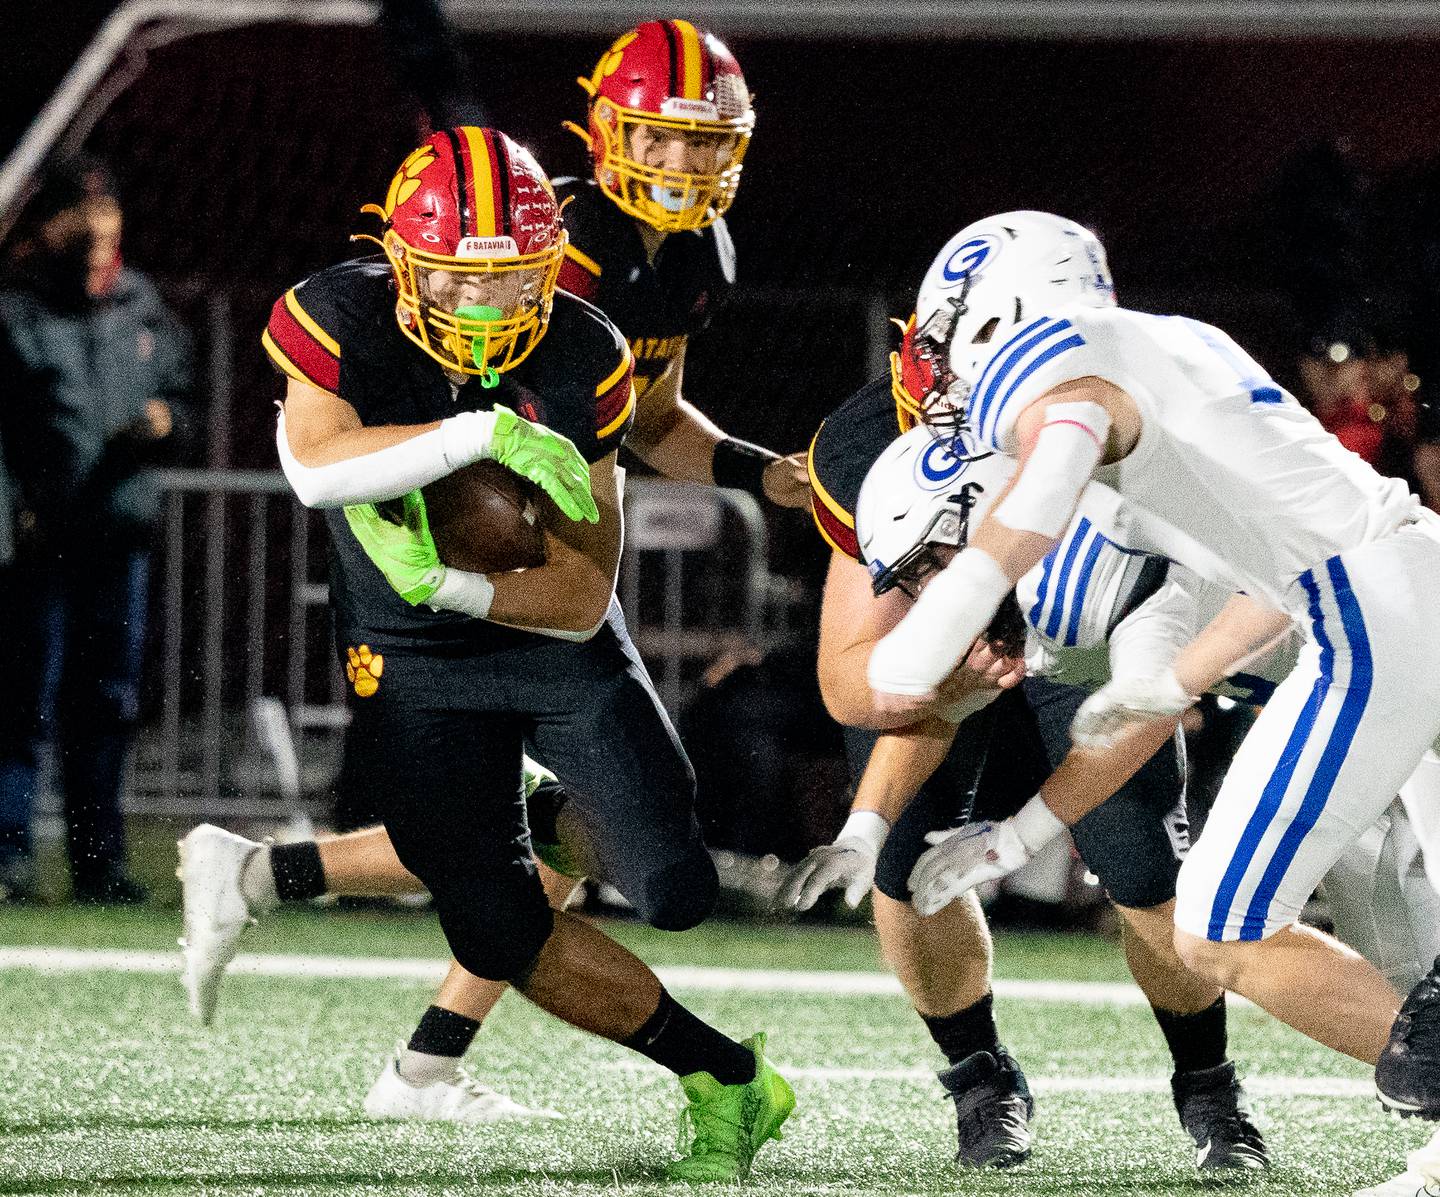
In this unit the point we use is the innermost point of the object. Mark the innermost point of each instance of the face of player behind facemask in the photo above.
(680, 155)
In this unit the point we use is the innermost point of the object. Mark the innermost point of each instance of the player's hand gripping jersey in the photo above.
(337, 331)
(658, 305)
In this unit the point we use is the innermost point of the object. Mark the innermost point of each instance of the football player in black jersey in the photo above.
(1130, 843)
(452, 348)
(669, 122)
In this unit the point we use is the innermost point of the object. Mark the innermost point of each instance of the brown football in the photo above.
(486, 519)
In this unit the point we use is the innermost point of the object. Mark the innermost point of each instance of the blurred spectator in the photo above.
(1361, 387)
(93, 368)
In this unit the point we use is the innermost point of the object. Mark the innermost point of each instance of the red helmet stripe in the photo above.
(463, 174)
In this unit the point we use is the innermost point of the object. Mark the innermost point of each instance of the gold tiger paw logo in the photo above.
(364, 668)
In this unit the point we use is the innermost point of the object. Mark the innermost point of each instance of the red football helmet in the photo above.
(473, 232)
(916, 373)
(670, 120)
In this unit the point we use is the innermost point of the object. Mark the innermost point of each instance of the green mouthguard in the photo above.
(481, 312)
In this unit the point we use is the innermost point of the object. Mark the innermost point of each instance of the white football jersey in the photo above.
(1225, 455)
(1106, 602)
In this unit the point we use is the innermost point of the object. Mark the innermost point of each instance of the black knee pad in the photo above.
(680, 895)
(497, 944)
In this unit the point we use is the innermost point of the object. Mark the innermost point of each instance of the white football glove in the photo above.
(963, 857)
(1124, 704)
(848, 862)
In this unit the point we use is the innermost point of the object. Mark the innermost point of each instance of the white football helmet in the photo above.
(923, 493)
(992, 278)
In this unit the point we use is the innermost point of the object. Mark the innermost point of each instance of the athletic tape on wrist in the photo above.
(867, 827)
(468, 593)
(1036, 824)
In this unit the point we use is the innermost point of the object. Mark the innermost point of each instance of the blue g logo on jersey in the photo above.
(969, 259)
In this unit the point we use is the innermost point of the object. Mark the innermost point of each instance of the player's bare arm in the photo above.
(852, 622)
(1063, 436)
(322, 429)
(332, 459)
(1243, 630)
(674, 437)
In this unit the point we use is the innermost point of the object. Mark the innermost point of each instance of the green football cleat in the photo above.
(730, 1122)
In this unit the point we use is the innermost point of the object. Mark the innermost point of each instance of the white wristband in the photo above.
(465, 437)
(465, 592)
(867, 827)
(1036, 824)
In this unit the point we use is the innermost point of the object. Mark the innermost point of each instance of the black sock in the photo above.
(966, 1031)
(443, 1033)
(1197, 1041)
(299, 875)
(675, 1039)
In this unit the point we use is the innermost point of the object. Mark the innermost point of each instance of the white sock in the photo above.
(421, 1068)
(257, 881)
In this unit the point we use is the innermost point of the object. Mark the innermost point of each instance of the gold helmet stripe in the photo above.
(692, 76)
(482, 170)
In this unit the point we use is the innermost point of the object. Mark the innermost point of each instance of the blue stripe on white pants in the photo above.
(1322, 783)
(1280, 777)
(1395, 582)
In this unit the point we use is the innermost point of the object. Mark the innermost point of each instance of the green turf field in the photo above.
(106, 1086)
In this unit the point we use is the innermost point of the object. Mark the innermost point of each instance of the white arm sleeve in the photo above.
(1070, 445)
(1147, 641)
(392, 472)
(924, 647)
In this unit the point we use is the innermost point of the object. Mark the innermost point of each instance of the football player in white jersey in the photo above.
(1128, 613)
(1184, 424)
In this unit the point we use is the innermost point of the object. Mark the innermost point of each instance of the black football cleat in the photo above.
(1214, 1111)
(993, 1108)
(1407, 1078)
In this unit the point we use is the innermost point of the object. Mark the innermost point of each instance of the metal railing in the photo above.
(248, 702)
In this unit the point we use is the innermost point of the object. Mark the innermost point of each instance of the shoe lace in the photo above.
(977, 1120)
(475, 1090)
(709, 1129)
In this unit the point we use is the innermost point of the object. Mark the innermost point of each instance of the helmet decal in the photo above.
(969, 259)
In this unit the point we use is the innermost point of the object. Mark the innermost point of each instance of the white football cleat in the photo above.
(461, 1100)
(215, 911)
(1408, 1184)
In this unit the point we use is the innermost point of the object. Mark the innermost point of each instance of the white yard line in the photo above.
(748, 980)
(1256, 1086)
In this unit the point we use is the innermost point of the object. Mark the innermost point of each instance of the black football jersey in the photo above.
(846, 445)
(659, 305)
(337, 330)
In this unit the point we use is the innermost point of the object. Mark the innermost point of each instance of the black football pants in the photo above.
(1133, 842)
(436, 751)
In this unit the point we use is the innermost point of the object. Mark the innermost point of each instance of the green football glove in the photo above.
(548, 459)
(405, 552)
